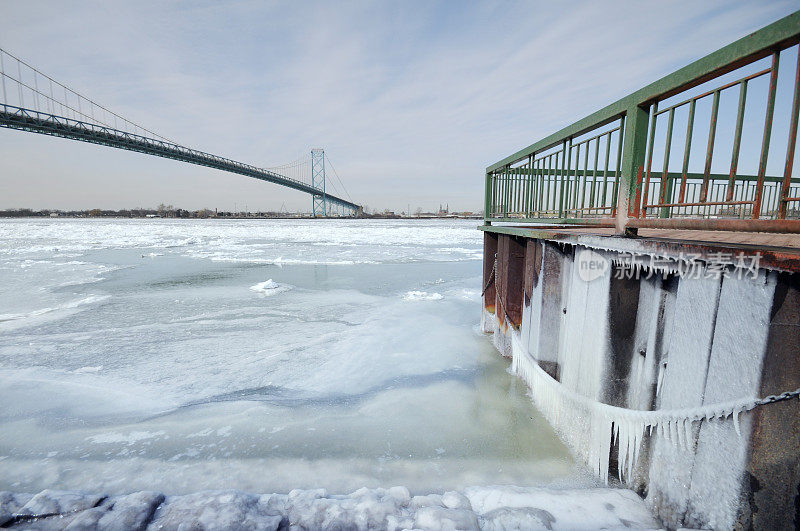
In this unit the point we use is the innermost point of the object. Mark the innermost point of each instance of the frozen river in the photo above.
(260, 355)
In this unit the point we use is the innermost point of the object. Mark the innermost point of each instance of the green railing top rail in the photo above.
(523, 187)
(757, 45)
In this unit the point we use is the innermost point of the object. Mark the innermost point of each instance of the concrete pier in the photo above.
(664, 322)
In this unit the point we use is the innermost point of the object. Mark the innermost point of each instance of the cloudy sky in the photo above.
(410, 99)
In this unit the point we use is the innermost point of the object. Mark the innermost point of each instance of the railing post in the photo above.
(506, 190)
(634, 150)
(487, 200)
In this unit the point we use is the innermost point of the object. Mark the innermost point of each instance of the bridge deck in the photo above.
(777, 250)
(33, 121)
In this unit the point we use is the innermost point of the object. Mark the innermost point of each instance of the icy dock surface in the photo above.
(393, 508)
(260, 356)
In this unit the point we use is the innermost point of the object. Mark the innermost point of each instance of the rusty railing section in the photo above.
(710, 146)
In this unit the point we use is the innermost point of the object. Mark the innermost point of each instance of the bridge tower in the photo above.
(319, 201)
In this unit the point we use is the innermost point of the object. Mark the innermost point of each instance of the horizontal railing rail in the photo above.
(703, 147)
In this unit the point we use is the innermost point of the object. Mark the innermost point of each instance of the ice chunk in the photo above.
(120, 512)
(474, 508)
(215, 510)
(11, 503)
(59, 502)
(455, 500)
(435, 518)
(269, 288)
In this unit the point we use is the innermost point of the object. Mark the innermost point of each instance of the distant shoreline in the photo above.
(235, 217)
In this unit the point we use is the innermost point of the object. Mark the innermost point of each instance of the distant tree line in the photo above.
(169, 211)
(162, 211)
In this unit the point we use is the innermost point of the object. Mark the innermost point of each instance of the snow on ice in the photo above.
(393, 508)
(422, 296)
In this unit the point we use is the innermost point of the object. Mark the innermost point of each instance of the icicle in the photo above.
(637, 442)
(604, 446)
(676, 438)
(687, 434)
(629, 449)
(661, 370)
(622, 451)
(687, 426)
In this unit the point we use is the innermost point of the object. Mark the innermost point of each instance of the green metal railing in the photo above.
(659, 157)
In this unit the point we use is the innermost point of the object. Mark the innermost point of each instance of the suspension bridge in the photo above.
(35, 102)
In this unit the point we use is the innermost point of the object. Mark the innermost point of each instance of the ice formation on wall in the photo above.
(580, 355)
(590, 428)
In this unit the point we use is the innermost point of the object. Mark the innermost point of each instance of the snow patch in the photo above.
(508, 507)
(66, 306)
(130, 438)
(84, 370)
(202, 433)
(422, 296)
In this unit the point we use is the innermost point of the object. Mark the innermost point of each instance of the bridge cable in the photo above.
(65, 104)
(337, 177)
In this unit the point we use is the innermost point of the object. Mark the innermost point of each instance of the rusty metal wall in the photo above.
(671, 343)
